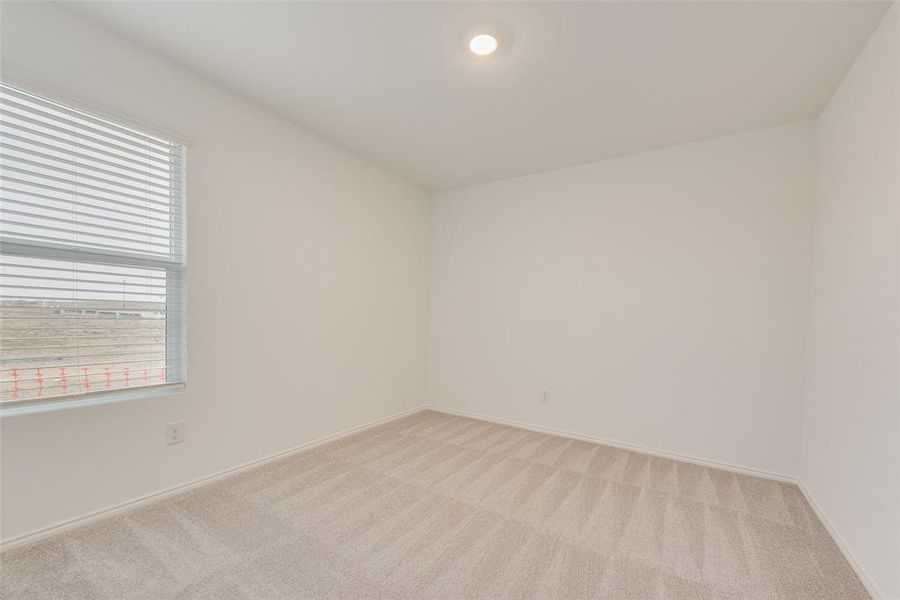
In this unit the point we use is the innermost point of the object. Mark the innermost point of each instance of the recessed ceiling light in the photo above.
(483, 44)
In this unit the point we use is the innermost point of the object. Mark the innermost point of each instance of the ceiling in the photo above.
(574, 82)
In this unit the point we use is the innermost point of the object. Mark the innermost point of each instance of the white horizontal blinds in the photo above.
(91, 253)
(71, 179)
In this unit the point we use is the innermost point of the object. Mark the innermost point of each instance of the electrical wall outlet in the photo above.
(545, 396)
(174, 433)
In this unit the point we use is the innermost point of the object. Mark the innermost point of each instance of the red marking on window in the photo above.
(15, 378)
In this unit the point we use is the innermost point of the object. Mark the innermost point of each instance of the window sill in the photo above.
(38, 405)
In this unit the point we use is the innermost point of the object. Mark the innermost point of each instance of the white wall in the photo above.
(851, 411)
(660, 297)
(307, 288)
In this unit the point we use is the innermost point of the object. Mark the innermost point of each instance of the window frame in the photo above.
(176, 286)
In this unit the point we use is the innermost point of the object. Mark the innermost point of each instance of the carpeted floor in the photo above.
(435, 506)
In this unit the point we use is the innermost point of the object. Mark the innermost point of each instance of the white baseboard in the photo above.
(861, 572)
(618, 444)
(62, 526)
(826, 522)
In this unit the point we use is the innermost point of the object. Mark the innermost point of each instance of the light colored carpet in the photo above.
(435, 506)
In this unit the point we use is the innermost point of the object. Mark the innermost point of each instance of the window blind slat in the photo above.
(38, 126)
(81, 290)
(29, 237)
(138, 237)
(70, 120)
(80, 281)
(35, 215)
(86, 152)
(141, 205)
(81, 170)
(106, 189)
(70, 206)
(26, 146)
(13, 265)
(30, 99)
(88, 346)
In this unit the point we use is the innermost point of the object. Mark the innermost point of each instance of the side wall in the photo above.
(851, 411)
(307, 288)
(659, 298)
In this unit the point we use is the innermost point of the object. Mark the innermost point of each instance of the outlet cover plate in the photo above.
(174, 433)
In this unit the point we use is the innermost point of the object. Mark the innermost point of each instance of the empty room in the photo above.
(450, 300)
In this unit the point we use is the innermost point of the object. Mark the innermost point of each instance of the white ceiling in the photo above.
(578, 82)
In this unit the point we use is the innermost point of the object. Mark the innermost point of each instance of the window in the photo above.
(92, 255)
